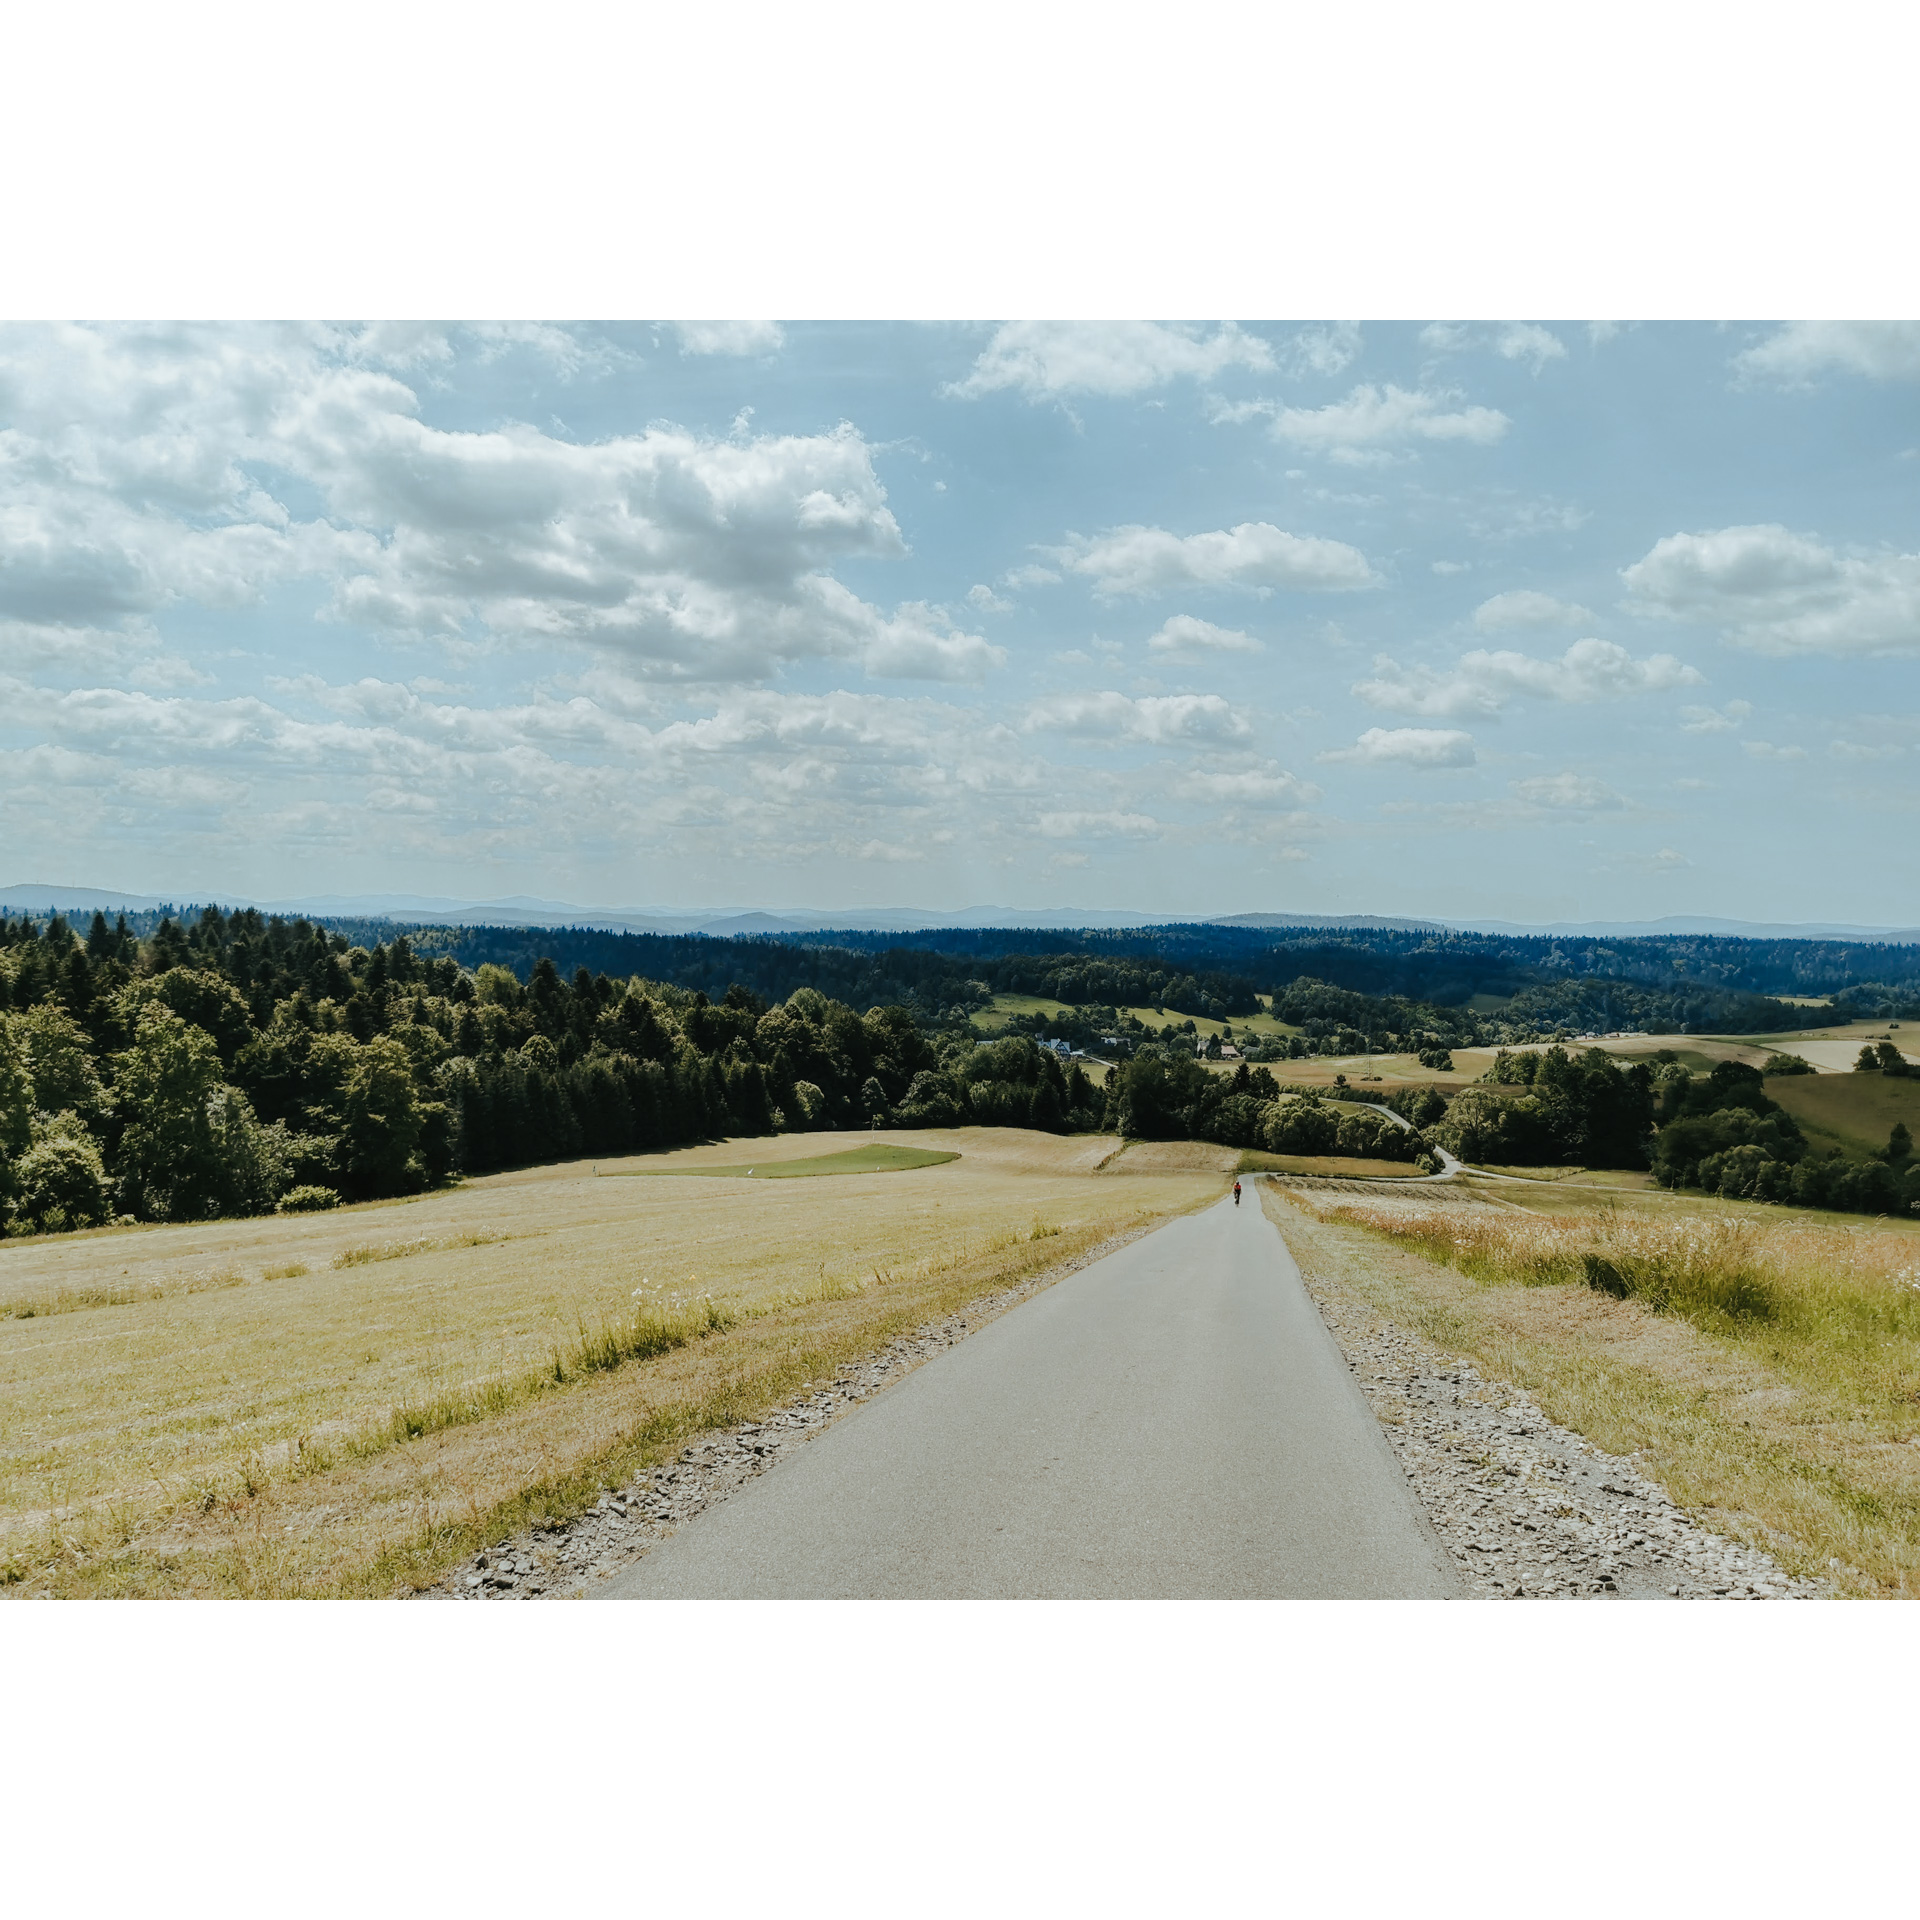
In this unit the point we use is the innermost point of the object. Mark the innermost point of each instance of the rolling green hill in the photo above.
(1852, 1111)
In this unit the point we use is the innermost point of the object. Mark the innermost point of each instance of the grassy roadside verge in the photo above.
(397, 1515)
(1792, 1429)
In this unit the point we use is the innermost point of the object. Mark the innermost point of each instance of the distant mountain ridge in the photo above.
(525, 910)
(1682, 924)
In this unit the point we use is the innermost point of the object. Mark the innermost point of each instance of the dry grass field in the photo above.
(878, 1156)
(1620, 1178)
(1832, 1049)
(348, 1403)
(1763, 1364)
(1829, 1049)
(1327, 1166)
(1382, 1072)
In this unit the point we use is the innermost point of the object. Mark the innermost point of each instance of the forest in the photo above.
(1217, 972)
(231, 1063)
(240, 1064)
(1722, 1133)
(1717, 974)
(1659, 983)
(1718, 1133)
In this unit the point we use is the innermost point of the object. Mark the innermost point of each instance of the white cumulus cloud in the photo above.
(1423, 747)
(1525, 341)
(744, 339)
(1044, 359)
(1263, 786)
(1484, 682)
(1324, 350)
(1372, 420)
(1880, 349)
(1184, 634)
(143, 469)
(1514, 340)
(1159, 719)
(1523, 607)
(918, 642)
(1781, 592)
(372, 762)
(1254, 555)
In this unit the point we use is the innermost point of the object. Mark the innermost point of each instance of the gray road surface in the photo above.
(1173, 1422)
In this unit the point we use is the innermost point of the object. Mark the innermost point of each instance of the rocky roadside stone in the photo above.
(561, 1559)
(1528, 1509)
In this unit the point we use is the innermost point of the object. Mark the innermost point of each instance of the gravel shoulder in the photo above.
(1526, 1508)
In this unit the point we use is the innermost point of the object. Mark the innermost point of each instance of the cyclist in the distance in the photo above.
(1236, 1193)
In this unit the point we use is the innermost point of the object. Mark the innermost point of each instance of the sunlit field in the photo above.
(1854, 1112)
(1376, 1072)
(1327, 1166)
(876, 1157)
(346, 1402)
(1385, 1071)
(1829, 1049)
(994, 1017)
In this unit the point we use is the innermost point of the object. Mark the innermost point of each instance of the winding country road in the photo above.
(1172, 1422)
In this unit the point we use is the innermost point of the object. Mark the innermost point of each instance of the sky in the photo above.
(1535, 621)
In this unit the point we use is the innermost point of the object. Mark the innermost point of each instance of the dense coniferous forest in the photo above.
(1672, 983)
(177, 1067)
(1448, 968)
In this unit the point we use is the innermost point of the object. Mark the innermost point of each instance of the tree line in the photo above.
(239, 1064)
(1546, 984)
(1719, 1133)
(231, 1063)
(1446, 967)
(1723, 1134)
(1165, 1093)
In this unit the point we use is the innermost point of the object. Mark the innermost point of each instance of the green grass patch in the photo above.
(992, 1018)
(874, 1158)
(1262, 1024)
(1782, 1413)
(1852, 1111)
(1689, 1057)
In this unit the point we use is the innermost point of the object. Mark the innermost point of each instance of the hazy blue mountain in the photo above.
(525, 910)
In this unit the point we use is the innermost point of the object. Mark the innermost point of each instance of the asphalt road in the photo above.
(1173, 1422)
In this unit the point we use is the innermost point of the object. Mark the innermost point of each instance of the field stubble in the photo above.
(318, 1406)
(1765, 1370)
